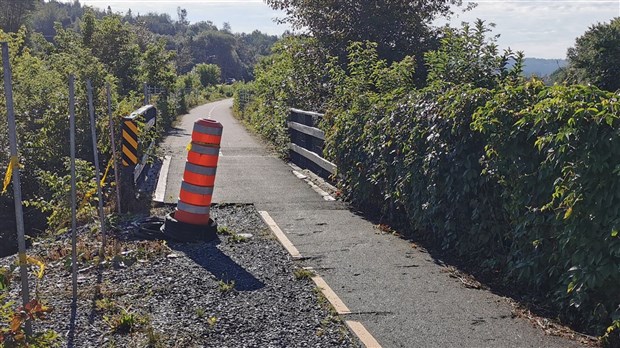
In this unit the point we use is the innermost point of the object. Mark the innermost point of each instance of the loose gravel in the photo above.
(240, 290)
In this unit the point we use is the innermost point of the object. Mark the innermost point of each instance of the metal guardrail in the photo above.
(307, 142)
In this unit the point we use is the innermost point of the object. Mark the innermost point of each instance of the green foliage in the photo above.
(467, 56)
(554, 151)
(58, 188)
(209, 74)
(104, 50)
(114, 43)
(294, 75)
(595, 58)
(13, 13)
(514, 176)
(400, 28)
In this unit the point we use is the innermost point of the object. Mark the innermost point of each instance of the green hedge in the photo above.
(556, 154)
(523, 179)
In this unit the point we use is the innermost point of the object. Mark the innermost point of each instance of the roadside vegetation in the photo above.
(452, 144)
(183, 64)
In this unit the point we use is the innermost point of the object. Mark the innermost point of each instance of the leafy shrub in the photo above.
(556, 153)
(294, 75)
(513, 175)
(58, 188)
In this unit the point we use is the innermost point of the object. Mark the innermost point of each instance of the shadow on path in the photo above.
(220, 265)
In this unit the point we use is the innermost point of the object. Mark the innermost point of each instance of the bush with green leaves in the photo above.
(295, 75)
(517, 177)
(106, 50)
(556, 154)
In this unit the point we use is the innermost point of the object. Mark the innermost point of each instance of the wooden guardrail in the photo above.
(307, 142)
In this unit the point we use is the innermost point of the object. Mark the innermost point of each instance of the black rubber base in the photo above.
(184, 232)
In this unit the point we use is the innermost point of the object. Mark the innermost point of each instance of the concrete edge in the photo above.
(330, 295)
(364, 336)
(280, 235)
(160, 190)
(326, 196)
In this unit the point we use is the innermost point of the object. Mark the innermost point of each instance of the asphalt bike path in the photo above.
(400, 294)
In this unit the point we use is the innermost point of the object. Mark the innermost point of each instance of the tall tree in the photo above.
(595, 58)
(399, 27)
(115, 44)
(13, 13)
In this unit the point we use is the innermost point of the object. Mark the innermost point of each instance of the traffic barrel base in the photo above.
(184, 232)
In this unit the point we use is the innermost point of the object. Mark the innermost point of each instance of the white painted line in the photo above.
(360, 331)
(216, 104)
(160, 190)
(280, 235)
(331, 296)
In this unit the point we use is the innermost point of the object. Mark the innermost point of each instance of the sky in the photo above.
(539, 28)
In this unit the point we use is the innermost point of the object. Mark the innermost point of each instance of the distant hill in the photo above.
(542, 67)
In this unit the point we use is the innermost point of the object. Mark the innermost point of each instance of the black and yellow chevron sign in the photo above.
(130, 143)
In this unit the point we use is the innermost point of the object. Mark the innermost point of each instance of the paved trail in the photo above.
(401, 295)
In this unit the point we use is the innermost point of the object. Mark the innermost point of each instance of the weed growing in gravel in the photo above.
(331, 318)
(154, 339)
(224, 230)
(303, 273)
(225, 286)
(200, 312)
(212, 321)
(105, 304)
(235, 238)
(12, 320)
(125, 321)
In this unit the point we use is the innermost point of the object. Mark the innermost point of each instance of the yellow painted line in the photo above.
(280, 235)
(331, 296)
(132, 126)
(360, 331)
(129, 154)
(132, 141)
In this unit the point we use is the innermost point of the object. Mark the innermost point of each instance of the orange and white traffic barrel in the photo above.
(191, 219)
(208, 132)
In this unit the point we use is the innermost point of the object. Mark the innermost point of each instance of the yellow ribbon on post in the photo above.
(105, 175)
(9, 173)
(92, 191)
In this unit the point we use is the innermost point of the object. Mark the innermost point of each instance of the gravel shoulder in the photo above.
(241, 290)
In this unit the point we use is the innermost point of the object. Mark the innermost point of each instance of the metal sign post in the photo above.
(113, 145)
(93, 131)
(17, 192)
(73, 188)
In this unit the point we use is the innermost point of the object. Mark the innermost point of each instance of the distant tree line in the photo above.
(202, 42)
